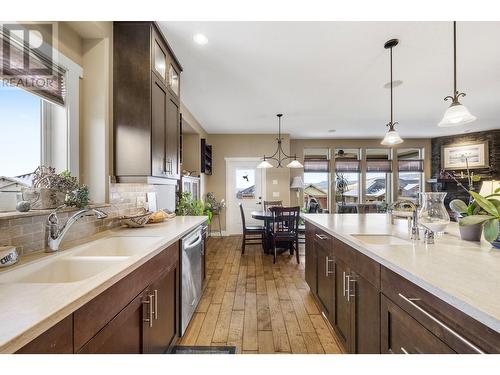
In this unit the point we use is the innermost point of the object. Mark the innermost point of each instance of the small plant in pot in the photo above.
(488, 216)
(471, 232)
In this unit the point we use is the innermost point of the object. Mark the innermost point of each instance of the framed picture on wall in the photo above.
(459, 155)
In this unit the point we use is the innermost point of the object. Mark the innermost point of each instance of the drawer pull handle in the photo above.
(156, 304)
(327, 262)
(441, 324)
(404, 351)
(321, 236)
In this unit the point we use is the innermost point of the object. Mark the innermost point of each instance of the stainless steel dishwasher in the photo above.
(192, 249)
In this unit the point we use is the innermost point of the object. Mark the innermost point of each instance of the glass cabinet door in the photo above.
(173, 79)
(160, 61)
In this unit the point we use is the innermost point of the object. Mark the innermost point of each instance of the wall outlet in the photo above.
(276, 194)
(275, 182)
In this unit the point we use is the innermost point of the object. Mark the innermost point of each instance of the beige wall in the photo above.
(191, 152)
(297, 146)
(247, 145)
(70, 43)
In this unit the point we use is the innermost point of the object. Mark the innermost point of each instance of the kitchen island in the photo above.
(384, 293)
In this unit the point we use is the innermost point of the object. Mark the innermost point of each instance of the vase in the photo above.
(496, 243)
(433, 214)
(471, 232)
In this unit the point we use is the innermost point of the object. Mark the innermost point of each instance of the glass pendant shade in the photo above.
(391, 138)
(264, 164)
(295, 164)
(456, 115)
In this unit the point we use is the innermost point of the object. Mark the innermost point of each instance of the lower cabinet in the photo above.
(137, 314)
(344, 308)
(325, 268)
(160, 313)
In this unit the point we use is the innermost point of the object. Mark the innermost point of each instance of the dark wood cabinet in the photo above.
(123, 334)
(344, 308)
(146, 105)
(310, 258)
(162, 309)
(325, 268)
(402, 334)
(56, 340)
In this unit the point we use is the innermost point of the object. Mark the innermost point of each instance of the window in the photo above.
(317, 177)
(410, 172)
(21, 131)
(347, 179)
(378, 175)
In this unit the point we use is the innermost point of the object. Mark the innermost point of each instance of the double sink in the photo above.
(82, 262)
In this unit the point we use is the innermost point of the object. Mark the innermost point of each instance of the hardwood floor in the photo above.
(256, 306)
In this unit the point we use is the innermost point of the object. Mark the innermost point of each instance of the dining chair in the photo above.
(269, 204)
(284, 229)
(250, 233)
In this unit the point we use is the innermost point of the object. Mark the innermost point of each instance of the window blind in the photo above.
(378, 165)
(316, 165)
(31, 70)
(416, 165)
(347, 165)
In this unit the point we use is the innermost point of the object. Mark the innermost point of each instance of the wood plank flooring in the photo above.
(257, 306)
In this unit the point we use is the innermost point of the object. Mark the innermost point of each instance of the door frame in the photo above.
(230, 160)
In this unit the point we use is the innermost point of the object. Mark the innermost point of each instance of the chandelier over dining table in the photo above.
(280, 156)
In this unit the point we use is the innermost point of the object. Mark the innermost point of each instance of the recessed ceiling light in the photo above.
(395, 83)
(200, 39)
(332, 130)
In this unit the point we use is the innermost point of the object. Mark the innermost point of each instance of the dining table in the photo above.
(267, 218)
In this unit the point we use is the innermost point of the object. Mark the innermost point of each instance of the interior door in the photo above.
(245, 184)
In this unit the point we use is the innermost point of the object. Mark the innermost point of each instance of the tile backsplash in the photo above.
(28, 232)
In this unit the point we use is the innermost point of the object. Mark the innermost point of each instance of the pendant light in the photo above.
(391, 137)
(279, 155)
(456, 114)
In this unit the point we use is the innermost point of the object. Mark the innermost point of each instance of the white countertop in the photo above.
(27, 310)
(464, 274)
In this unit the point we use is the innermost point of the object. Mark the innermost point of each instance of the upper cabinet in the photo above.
(146, 103)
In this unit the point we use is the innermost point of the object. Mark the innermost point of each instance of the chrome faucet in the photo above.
(414, 232)
(57, 232)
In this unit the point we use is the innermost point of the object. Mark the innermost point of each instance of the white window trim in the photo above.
(69, 157)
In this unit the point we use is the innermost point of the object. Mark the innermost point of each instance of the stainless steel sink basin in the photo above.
(381, 239)
(63, 270)
(117, 246)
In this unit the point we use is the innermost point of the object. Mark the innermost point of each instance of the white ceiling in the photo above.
(330, 75)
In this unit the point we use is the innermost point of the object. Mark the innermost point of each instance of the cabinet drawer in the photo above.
(56, 340)
(459, 331)
(401, 334)
(93, 316)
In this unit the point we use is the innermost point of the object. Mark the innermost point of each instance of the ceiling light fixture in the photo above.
(456, 114)
(391, 137)
(279, 155)
(200, 39)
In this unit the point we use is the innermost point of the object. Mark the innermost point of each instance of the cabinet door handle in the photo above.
(343, 283)
(348, 292)
(440, 323)
(156, 304)
(149, 302)
(351, 292)
(321, 236)
(327, 271)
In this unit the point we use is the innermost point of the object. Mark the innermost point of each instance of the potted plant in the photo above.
(490, 219)
(187, 206)
(471, 232)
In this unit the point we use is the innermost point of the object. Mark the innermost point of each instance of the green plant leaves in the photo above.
(491, 230)
(485, 204)
(458, 206)
(475, 219)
